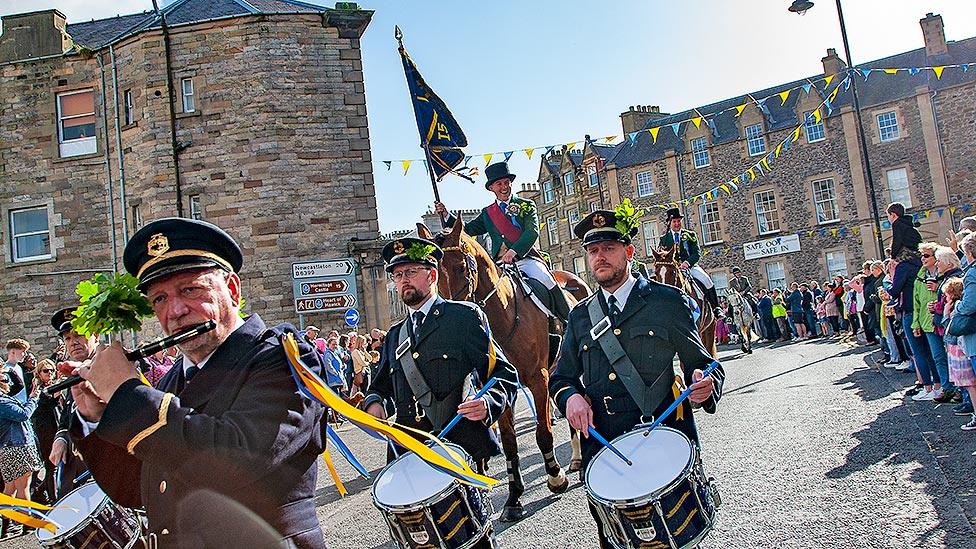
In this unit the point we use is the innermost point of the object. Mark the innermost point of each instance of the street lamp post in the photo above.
(801, 7)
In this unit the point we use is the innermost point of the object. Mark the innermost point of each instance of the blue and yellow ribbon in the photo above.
(27, 513)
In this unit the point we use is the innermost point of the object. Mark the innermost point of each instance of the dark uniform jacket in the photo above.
(239, 428)
(451, 344)
(688, 250)
(654, 325)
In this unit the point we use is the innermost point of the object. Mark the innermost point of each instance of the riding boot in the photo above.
(560, 305)
(712, 298)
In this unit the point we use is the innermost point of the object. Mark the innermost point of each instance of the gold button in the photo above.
(162, 487)
(616, 332)
(445, 356)
(585, 348)
(416, 355)
(650, 333)
(612, 376)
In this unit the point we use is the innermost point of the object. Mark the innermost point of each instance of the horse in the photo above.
(468, 273)
(743, 318)
(665, 269)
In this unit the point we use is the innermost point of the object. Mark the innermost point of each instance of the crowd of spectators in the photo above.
(350, 361)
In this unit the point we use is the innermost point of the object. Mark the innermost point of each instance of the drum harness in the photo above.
(440, 411)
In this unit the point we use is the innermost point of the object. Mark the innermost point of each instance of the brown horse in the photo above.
(665, 269)
(468, 273)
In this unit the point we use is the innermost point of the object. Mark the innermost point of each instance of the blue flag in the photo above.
(440, 134)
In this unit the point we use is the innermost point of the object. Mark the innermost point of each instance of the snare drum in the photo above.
(87, 518)
(663, 501)
(427, 508)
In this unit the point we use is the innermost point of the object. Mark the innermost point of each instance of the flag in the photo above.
(440, 135)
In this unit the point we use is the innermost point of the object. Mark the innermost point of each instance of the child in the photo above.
(960, 368)
(822, 320)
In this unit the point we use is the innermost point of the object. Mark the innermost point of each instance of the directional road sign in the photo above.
(352, 317)
(324, 285)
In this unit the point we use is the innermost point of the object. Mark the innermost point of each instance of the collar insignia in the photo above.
(158, 245)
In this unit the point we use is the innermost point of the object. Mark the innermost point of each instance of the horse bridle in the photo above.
(471, 273)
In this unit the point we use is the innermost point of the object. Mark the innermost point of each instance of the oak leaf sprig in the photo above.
(109, 305)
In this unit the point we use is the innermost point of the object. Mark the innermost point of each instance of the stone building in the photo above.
(250, 115)
(921, 141)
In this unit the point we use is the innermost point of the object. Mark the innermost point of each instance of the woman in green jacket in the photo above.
(931, 353)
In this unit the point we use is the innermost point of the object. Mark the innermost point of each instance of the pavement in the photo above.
(812, 446)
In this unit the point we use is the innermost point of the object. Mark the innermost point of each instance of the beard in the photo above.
(413, 296)
(611, 278)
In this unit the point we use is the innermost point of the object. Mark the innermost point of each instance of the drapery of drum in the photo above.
(26, 512)
(312, 386)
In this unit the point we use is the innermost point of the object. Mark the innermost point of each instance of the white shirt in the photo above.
(425, 307)
(622, 293)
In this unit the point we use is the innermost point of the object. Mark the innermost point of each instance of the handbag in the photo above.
(962, 325)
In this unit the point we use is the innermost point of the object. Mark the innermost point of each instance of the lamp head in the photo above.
(801, 6)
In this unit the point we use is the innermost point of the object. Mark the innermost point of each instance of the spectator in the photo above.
(794, 303)
(765, 308)
(809, 314)
(868, 311)
(960, 367)
(929, 350)
(967, 306)
(16, 349)
(18, 452)
(831, 298)
(855, 303)
(891, 332)
(45, 424)
(155, 366)
(821, 309)
(948, 266)
(779, 313)
(360, 363)
(313, 339)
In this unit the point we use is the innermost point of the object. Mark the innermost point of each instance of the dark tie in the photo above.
(418, 320)
(614, 310)
(191, 371)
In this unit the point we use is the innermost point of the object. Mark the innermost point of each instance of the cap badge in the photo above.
(158, 245)
(599, 221)
(398, 247)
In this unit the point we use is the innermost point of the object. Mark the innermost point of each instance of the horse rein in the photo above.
(471, 274)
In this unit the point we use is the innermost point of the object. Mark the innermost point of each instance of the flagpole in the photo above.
(430, 168)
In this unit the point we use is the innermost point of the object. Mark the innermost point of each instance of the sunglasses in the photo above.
(47, 371)
(927, 255)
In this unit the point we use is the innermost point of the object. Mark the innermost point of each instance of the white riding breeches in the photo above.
(701, 276)
(533, 268)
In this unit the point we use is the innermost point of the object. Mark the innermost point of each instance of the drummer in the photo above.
(443, 351)
(652, 323)
(63, 452)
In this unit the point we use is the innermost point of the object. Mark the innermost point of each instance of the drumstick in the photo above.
(681, 398)
(599, 438)
(458, 417)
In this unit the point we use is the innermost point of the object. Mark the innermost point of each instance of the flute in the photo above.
(142, 352)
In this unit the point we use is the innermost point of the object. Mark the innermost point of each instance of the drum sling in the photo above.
(439, 412)
(619, 361)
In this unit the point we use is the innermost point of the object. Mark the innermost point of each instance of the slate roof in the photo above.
(604, 151)
(100, 33)
(878, 89)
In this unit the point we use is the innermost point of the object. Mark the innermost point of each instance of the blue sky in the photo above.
(521, 74)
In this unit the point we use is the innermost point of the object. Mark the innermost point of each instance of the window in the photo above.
(136, 221)
(569, 183)
(651, 237)
(573, 217)
(825, 201)
(836, 264)
(645, 184)
(814, 129)
(888, 126)
(76, 123)
(127, 105)
(30, 236)
(553, 229)
(579, 266)
(775, 275)
(721, 281)
(189, 101)
(593, 206)
(710, 227)
(592, 175)
(898, 186)
(755, 140)
(196, 211)
(767, 216)
(547, 195)
(699, 149)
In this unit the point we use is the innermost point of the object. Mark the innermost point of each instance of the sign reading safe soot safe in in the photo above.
(773, 246)
(324, 285)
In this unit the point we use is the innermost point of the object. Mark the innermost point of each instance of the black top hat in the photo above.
(601, 226)
(61, 320)
(174, 244)
(673, 213)
(411, 250)
(497, 171)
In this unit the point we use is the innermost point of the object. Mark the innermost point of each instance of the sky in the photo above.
(521, 74)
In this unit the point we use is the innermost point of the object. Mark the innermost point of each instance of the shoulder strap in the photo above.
(619, 361)
(439, 412)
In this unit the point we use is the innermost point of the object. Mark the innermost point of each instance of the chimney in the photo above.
(933, 33)
(636, 117)
(34, 34)
(832, 64)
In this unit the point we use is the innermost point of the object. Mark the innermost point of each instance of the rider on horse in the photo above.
(688, 254)
(513, 225)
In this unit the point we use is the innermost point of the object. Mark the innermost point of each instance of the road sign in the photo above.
(324, 285)
(352, 317)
